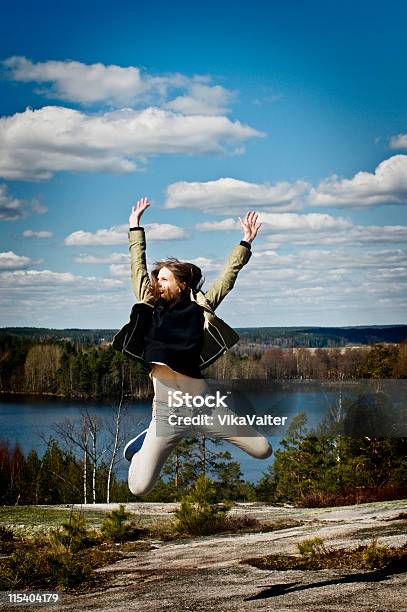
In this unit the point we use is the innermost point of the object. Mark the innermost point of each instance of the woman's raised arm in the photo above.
(137, 245)
(237, 259)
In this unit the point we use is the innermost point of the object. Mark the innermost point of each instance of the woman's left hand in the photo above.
(250, 226)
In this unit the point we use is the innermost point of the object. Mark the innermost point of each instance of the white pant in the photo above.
(147, 463)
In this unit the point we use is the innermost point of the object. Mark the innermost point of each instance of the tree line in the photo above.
(77, 371)
(82, 371)
(321, 470)
(65, 475)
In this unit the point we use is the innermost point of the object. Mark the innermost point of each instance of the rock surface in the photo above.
(205, 574)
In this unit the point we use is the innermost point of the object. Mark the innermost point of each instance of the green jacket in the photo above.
(218, 337)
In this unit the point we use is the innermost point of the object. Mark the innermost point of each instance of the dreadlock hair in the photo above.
(183, 271)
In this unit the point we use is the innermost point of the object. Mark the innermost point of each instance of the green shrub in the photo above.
(56, 560)
(198, 514)
(374, 555)
(121, 526)
(62, 559)
(370, 556)
(243, 522)
(41, 563)
(73, 534)
(311, 548)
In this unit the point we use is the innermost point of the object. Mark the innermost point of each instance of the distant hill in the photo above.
(83, 336)
(320, 337)
(285, 337)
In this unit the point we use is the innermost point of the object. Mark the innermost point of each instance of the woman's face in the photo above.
(167, 285)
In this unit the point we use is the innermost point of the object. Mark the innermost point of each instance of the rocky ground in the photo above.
(207, 573)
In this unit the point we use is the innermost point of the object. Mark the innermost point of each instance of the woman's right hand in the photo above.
(137, 211)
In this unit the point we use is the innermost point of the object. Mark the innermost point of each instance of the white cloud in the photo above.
(79, 82)
(306, 222)
(392, 273)
(38, 207)
(113, 258)
(354, 235)
(14, 281)
(118, 85)
(313, 286)
(164, 231)
(58, 299)
(37, 234)
(350, 259)
(227, 195)
(218, 226)
(207, 265)
(115, 235)
(398, 142)
(120, 270)
(387, 185)
(357, 235)
(304, 287)
(311, 229)
(12, 209)
(35, 144)
(10, 261)
(118, 235)
(286, 222)
(203, 99)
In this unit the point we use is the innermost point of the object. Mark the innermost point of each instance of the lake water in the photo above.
(33, 421)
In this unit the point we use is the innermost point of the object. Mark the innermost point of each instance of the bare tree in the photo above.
(76, 436)
(116, 439)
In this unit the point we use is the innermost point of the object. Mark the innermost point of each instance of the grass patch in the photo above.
(314, 555)
(204, 524)
(67, 555)
(29, 521)
(37, 518)
(222, 524)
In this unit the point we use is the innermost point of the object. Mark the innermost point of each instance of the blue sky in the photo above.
(297, 110)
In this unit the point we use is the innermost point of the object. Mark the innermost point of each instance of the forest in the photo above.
(67, 369)
(310, 468)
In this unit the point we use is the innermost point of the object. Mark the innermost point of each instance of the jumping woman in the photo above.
(174, 331)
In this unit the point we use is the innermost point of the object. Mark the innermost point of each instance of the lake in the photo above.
(33, 421)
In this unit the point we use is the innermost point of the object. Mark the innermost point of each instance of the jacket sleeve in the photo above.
(139, 275)
(225, 282)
